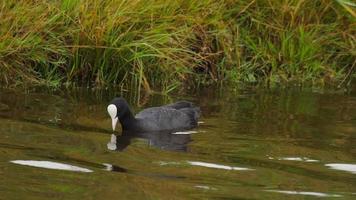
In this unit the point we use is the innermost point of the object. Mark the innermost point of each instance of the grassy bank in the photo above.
(167, 44)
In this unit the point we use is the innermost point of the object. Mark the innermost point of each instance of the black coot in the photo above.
(181, 115)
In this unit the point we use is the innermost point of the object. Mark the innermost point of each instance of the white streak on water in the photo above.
(344, 167)
(299, 159)
(201, 122)
(168, 163)
(311, 160)
(291, 159)
(216, 166)
(204, 164)
(205, 187)
(50, 165)
(317, 194)
(184, 132)
(303, 159)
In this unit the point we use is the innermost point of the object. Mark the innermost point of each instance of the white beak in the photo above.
(114, 122)
(112, 110)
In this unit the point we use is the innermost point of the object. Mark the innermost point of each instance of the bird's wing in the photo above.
(180, 104)
(165, 118)
(159, 112)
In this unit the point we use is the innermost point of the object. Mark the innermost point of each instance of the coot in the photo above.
(181, 115)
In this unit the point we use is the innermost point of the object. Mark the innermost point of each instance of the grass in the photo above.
(146, 44)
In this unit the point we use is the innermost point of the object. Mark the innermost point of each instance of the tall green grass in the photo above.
(168, 44)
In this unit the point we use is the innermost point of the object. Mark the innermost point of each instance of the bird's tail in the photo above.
(193, 113)
(180, 105)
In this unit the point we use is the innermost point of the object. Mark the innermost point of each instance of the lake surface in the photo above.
(250, 144)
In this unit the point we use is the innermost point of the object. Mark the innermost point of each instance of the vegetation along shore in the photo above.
(169, 44)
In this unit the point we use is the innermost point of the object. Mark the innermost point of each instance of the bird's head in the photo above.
(118, 109)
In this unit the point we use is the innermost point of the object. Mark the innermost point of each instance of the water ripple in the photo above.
(205, 164)
(317, 194)
(344, 167)
(217, 166)
(51, 165)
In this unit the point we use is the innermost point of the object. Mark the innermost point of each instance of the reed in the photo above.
(146, 44)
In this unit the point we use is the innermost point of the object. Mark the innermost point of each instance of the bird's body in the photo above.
(181, 115)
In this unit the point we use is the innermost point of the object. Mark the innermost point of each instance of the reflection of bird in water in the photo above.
(161, 139)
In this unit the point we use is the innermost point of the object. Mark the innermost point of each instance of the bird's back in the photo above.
(180, 115)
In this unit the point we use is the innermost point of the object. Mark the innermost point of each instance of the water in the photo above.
(250, 144)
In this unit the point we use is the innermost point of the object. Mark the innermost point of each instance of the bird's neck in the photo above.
(127, 121)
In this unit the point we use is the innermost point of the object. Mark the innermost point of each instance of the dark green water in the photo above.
(252, 144)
